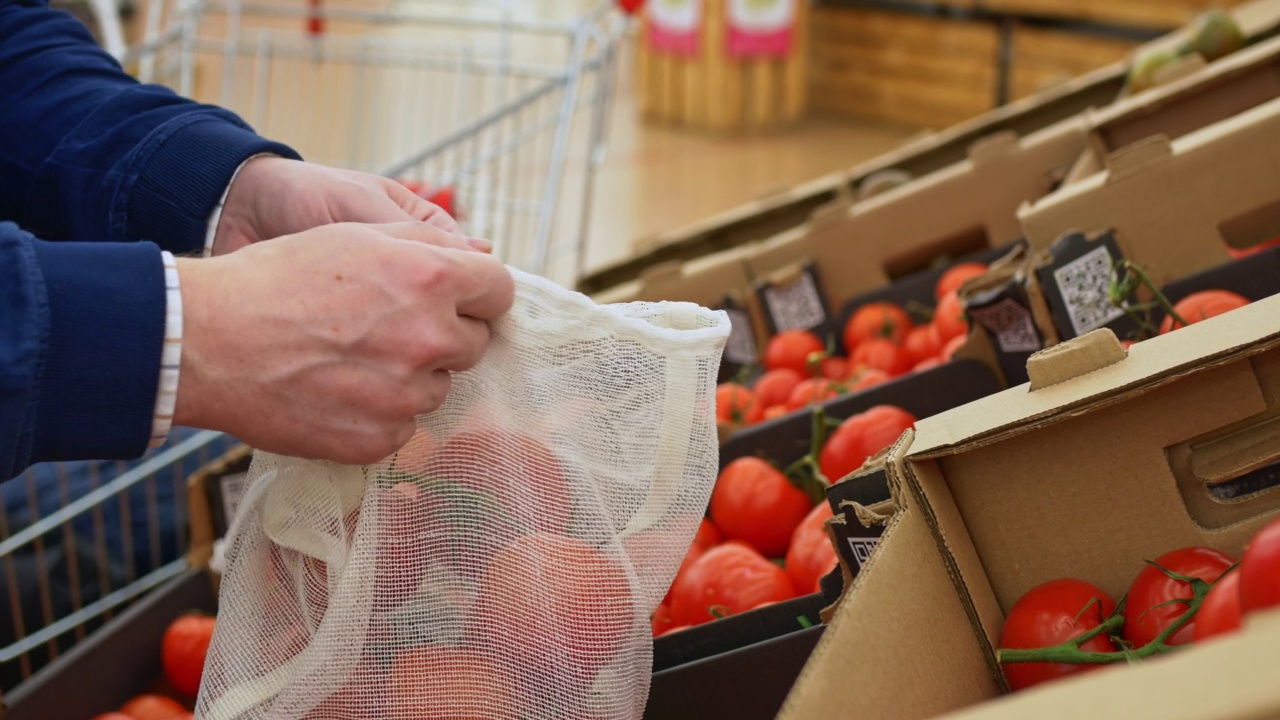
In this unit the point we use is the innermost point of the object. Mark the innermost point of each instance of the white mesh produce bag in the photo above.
(504, 564)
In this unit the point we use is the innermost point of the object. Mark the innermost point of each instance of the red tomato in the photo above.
(860, 437)
(1202, 306)
(661, 619)
(414, 456)
(556, 602)
(775, 411)
(881, 355)
(631, 7)
(792, 349)
(834, 368)
(184, 650)
(882, 320)
(737, 405)
(675, 629)
(690, 557)
(953, 346)
(1047, 616)
(756, 504)
(1220, 613)
(1237, 254)
(949, 317)
(1260, 570)
(732, 576)
(153, 707)
(958, 275)
(515, 469)
(430, 682)
(811, 392)
(774, 387)
(867, 377)
(922, 343)
(708, 536)
(1148, 610)
(114, 716)
(811, 554)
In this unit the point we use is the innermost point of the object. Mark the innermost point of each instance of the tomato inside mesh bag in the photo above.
(504, 564)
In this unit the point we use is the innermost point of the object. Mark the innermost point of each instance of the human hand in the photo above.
(274, 196)
(327, 343)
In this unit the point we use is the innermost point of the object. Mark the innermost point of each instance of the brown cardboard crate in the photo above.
(1084, 477)
(1168, 201)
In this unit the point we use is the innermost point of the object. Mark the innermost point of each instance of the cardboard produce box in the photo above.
(1103, 460)
(1175, 205)
(116, 663)
(1195, 96)
(965, 208)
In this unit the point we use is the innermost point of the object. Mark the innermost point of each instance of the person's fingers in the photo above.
(419, 208)
(458, 348)
(431, 235)
(431, 389)
(484, 286)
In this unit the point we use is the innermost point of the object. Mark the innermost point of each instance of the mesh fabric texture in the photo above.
(504, 564)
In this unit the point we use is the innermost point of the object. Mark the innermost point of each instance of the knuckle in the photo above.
(433, 271)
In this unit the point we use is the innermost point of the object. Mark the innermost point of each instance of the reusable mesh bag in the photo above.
(504, 564)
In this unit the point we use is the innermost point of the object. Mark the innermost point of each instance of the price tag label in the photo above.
(796, 305)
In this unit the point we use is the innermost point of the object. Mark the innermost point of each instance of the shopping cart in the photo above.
(503, 113)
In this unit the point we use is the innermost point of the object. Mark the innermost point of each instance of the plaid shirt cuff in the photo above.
(171, 358)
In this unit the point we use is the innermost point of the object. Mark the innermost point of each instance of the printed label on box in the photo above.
(1083, 283)
(1012, 325)
(741, 346)
(860, 548)
(795, 306)
(232, 487)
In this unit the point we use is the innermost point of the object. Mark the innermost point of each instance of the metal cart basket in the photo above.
(503, 113)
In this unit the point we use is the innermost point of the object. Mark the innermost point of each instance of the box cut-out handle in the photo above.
(1137, 156)
(994, 145)
(1226, 458)
(1079, 356)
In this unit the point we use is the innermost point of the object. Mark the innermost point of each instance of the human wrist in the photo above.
(218, 236)
(194, 405)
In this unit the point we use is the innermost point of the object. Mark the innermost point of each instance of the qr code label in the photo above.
(1012, 325)
(1083, 283)
(796, 305)
(861, 549)
(232, 492)
(741, 346)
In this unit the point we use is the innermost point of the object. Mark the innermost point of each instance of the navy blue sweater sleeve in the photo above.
(81, 328)
(96, 165)
(89, 153)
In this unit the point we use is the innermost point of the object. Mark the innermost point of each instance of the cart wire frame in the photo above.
(467, 96)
